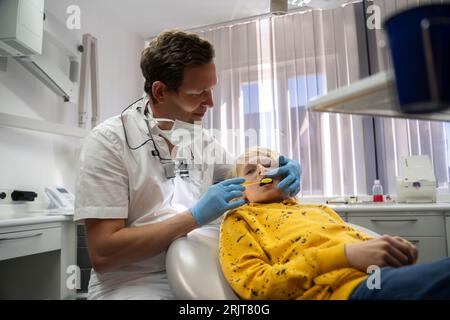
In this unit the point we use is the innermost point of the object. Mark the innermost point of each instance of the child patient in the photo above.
(273, 247)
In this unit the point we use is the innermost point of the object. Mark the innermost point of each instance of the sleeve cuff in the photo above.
(332, 258)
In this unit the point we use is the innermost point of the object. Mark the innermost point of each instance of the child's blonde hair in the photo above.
(247, 155)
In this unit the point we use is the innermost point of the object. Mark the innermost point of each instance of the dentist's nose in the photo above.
(209, 99)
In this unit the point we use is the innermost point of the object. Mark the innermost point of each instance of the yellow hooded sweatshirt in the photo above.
(288, 250)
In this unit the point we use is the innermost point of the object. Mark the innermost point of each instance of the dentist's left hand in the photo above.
(290, 170)
(216, 201)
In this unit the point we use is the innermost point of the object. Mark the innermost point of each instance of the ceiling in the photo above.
(149, 17)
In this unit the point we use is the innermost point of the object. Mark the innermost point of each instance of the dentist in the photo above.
(140, 185)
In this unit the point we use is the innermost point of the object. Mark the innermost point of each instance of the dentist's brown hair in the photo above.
(169, 54)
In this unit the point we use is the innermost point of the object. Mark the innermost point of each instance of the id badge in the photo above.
(169, 169)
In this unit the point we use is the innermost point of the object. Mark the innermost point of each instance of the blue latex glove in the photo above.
(216, 200)
(291, 170)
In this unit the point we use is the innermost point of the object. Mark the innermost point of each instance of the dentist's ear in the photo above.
(158, 90)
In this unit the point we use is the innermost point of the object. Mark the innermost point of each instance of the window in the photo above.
(305, 86)
(268, 68)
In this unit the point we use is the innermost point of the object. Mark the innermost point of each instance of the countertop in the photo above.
(390, 207)
(11, 219)
(20, 219)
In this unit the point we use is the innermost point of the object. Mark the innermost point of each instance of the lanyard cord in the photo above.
(155, 151)
(125, 131)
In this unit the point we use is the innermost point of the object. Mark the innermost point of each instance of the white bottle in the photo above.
(377, 191)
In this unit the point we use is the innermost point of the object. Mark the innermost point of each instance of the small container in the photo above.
(388, 199)
(377, 191)
(353, 199)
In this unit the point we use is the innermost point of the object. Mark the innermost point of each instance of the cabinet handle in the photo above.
(394, 220)
(21, 237)
(414, 241)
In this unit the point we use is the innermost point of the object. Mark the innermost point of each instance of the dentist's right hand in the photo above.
(216, 201)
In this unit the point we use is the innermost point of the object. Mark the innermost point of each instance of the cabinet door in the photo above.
(402, 225)
(28, 242)
(430, 248)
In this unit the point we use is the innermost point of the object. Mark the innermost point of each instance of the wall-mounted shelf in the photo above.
(373, 96)
(8, 120)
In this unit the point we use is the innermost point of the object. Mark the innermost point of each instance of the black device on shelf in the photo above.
(17, 195)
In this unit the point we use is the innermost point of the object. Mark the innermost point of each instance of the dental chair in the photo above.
(193, 267)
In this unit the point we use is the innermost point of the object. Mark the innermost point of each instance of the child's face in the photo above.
(254, 170)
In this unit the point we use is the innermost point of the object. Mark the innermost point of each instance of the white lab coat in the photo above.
(115, 182)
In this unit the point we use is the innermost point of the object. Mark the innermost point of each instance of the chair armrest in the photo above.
(193, 268)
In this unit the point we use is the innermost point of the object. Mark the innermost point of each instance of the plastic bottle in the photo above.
(377, 191)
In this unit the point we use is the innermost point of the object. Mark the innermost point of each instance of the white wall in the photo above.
(119, 53)
(31, 160)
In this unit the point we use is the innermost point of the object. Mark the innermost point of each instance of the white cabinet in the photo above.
(34, 258)
(402, 224)
(28, 242)
(426, 229)
(430, 248)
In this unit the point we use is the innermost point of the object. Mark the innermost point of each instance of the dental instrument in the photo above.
(261, 182)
